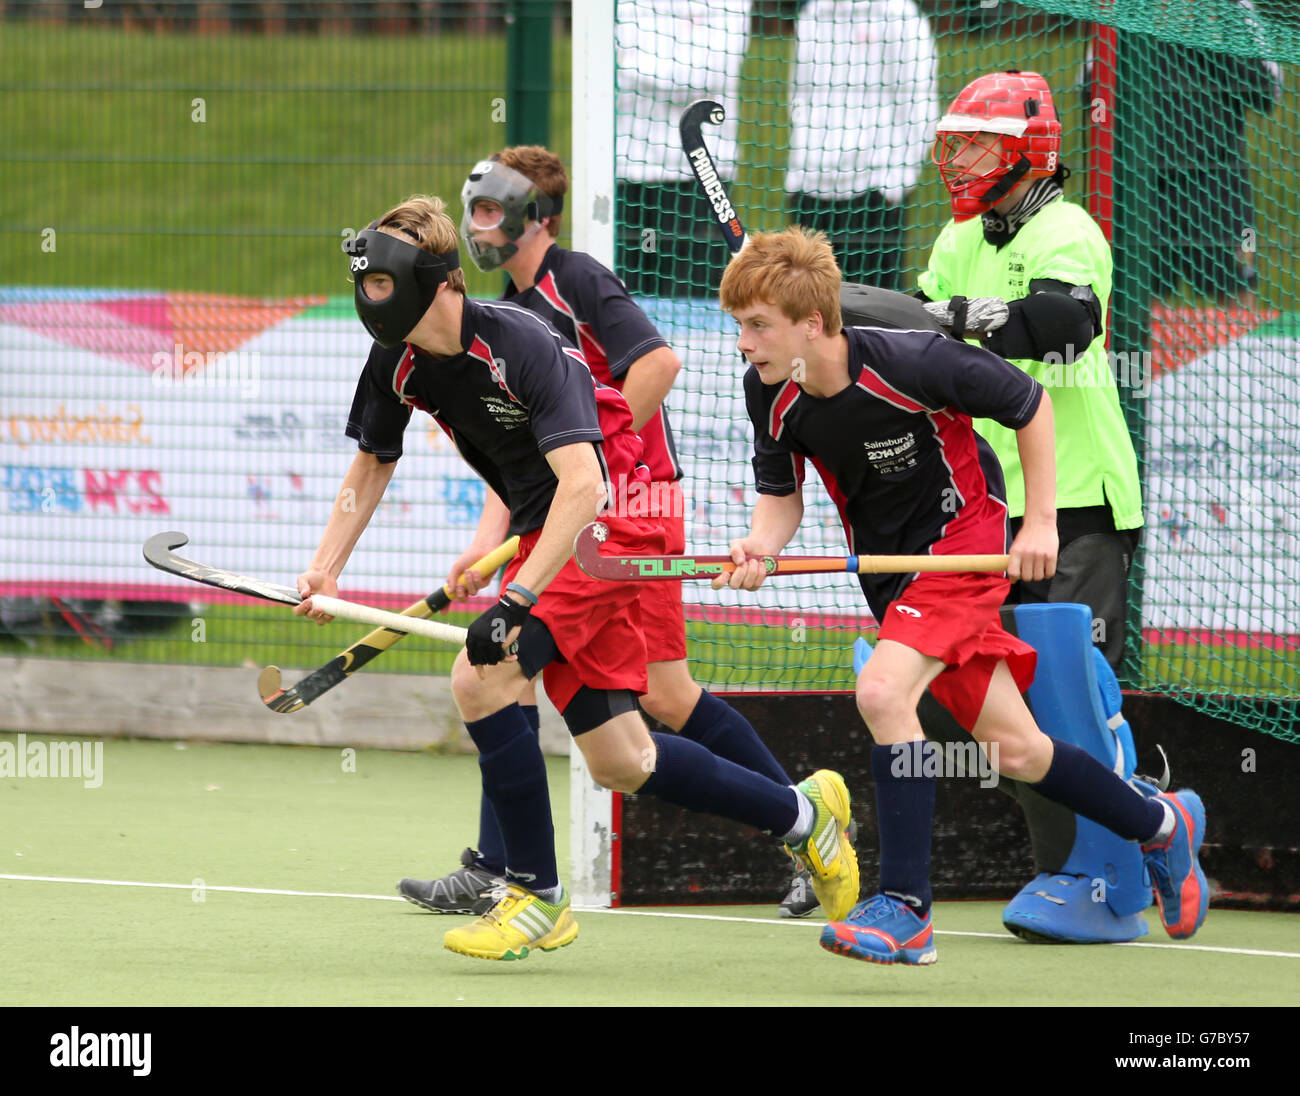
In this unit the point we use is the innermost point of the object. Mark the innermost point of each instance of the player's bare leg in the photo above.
(1013, 742)
(481, 690)
(620, 754)
(889, 689)
(672, 694)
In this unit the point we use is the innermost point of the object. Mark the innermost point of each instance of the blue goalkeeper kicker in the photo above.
(1076, 698)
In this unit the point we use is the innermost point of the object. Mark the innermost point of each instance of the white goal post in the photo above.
(592, 226)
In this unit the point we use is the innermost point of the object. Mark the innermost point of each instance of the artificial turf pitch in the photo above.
(341, 829)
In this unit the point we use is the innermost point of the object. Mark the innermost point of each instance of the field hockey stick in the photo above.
(369, 647)
(159, 550)
(706, 171)
(871, 305)
(662, 568)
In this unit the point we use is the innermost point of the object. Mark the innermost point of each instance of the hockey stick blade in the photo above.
(160, 548)
(586, 550)
(160, 551)
(369, 647)
(706, 170)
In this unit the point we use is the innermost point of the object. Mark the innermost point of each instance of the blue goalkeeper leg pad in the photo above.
(1101, 888)
(1066, 909)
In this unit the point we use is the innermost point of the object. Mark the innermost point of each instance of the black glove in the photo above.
(487, 635)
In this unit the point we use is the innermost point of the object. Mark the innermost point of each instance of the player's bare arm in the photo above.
(578, 499)
(774, 523)
(362, 488)
(1033, 553)
(648, 381)
(493, 528)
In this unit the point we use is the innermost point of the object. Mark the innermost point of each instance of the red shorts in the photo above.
(662, 617)
(595, 624)
(954, 617)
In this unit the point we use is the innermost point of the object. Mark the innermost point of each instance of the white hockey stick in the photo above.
(159, 550)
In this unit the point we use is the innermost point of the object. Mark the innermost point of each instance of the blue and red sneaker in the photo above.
(1181, 890)
(882, 930)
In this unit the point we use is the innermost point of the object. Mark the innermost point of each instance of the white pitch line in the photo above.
(1006, 937)
(618, 912)
(202, 886)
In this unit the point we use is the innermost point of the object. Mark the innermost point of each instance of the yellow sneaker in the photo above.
(519, 922)
(827, 852)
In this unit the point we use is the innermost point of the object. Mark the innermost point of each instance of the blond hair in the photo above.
(423, 219)
(543, 169)
(793, 270)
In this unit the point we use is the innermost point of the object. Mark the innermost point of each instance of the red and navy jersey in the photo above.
(516, 392)
(896, 449)
(590, 307)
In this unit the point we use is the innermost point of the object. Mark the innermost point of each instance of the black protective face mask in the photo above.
(416, 276)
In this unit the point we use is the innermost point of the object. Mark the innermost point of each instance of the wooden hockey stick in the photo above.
(663, 568)
(367, 648)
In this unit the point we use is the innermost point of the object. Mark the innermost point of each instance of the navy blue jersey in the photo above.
(896, 449)
(516, 392)
(590, 307)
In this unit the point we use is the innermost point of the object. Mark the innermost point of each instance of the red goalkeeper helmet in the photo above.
(1016, 107)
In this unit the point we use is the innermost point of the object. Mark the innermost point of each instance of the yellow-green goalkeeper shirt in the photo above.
(1095, 464)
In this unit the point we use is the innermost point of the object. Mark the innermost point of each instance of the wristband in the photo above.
(523, 592)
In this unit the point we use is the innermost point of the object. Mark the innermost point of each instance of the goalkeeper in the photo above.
(1028, 275)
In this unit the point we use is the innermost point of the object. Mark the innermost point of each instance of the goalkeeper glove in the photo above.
(965, 316)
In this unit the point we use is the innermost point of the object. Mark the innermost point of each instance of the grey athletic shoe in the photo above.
(466, 890)
(800, 900)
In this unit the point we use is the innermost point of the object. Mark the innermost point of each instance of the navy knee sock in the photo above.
(690, 776)
(723, 731)
(491, 849)
(905, 816)
(514, 779)
(1079, 781)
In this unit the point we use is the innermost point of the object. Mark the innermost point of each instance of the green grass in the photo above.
(205, 816)
(1225, 669)
(723, 656)
(305, 137)
(726, 655)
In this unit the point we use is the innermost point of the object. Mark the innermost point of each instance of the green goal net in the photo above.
(1180, 124)
(179, 176)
